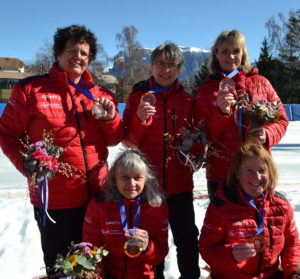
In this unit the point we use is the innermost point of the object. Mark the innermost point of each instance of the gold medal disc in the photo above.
(227, 83)
(149, 97)
(133, 247)
(259, 242)
(98, 111)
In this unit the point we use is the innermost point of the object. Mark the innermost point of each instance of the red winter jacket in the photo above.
(231, 219)
(45, 103)
(222, 131)
(102, 227)
(172, 108)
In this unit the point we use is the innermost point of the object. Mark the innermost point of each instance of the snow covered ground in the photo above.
(20, 250)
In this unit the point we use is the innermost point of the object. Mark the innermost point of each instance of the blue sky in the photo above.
(26, 25)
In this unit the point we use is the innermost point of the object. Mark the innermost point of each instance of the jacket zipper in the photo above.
(165, 145)
(82, 146)
(84, 110)
(174, 117)
(270, 235)
(259, 264)
(125, 267)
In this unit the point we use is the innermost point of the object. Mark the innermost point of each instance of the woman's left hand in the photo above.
(141, 235)
(259, 133)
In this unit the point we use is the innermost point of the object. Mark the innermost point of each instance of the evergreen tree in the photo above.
(199, 78)
(285, 68)
(289, 54)
(271, 69)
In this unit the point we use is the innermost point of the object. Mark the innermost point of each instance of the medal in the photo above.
(133, 247)
(259, 243)
(98, 111)
(149, 97)
(258, 240)
(227, 83)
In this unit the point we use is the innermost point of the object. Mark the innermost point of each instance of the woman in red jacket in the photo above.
(249, 231)
(232, 78)
(130, 221)
(61, 102)
(146, 122)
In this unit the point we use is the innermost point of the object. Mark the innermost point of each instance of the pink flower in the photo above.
(38, 155)
(87, 250)
(50, 162)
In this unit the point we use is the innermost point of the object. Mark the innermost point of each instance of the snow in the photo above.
(20, 249)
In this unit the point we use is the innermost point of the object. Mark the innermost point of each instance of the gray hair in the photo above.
(235, 38)
(170, 50)
(131, 159)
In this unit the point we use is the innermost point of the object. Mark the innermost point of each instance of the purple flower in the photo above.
(39, 143)
(83, 245)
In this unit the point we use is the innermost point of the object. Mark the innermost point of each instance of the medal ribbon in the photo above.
(240, 111)
(43, 200)
(240, 125)
(136, 216)
(232, 74)
(260, 214)
(158, 89)
(85, 91)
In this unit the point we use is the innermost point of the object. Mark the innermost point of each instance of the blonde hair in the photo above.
(234, 38)
(131, 159)
(247, 150)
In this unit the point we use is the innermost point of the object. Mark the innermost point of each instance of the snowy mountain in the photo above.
(193, 59)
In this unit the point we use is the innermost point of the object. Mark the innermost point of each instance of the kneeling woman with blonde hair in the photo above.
(249, 230)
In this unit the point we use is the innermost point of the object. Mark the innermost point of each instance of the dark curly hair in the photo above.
(76, 34)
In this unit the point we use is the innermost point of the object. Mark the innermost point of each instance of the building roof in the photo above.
(10, 63)
(107, 79)
(14, 75)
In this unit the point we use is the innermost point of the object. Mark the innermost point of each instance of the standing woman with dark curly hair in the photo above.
(62, 102)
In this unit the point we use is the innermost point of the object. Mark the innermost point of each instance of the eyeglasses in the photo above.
(164, 65)
(74, 52)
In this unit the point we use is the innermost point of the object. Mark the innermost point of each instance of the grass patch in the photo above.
(4, 95)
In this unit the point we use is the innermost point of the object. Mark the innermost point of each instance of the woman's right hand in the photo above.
(224, 100)
(243, 251)
(144, 111)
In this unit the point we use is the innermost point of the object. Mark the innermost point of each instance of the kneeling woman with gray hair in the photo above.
(129, 220)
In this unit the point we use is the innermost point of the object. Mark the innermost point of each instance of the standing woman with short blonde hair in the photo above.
(232, 78)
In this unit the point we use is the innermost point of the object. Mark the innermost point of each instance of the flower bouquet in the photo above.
(81, 261)
(257, 112)
(40, 159)
(190, 144)
(41, 163)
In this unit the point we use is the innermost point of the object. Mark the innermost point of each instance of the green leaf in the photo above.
(82, 260)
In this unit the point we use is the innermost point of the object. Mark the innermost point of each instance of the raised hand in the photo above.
(109, 108)
(225, 99)
(243, 251)
(144, 111)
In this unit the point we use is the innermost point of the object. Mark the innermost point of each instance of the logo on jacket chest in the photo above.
(112, 227)
(51, 101)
